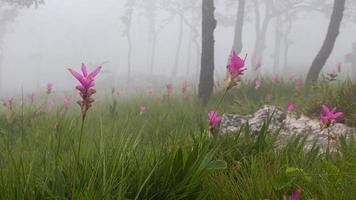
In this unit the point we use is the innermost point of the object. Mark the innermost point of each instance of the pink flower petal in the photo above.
(94, 73)
(76, 75)
(325, 109)
(84, 70)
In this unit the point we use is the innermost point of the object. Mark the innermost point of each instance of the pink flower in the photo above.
(185, 87)
(292, 77)
(258, 65)
(86, 80)
(329, 117)
(66, 102)
(236, 68)
(50, 105)
(298, 83)
(143, 109)
(258, 83)
(86, 87)
(49, 88)
(31, 97)
(150, 92)
(291, 106)
(10, 103)
(169, 88)
(274, 78)
(214, 121)
(296, 195)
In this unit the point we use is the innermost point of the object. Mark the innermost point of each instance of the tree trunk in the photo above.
(129, 55)
(257, 32)
(237, 44)
(277, 44)
(198, 60)
(329, 42)
(261, 32)
(286, 44)
(179, 46)
(1, 69)
(189, 53)
(206, 83)
(153, 52)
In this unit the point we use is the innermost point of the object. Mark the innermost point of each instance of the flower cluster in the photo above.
(236, 68)
(142, 110)
(169, 88)
(258, 84)
(291, 106)
(49, 88)
(214, 121)
(296, 195)
(85, 88)
(330, 116)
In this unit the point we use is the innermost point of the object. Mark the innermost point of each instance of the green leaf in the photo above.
(217, 165)
(293, 170)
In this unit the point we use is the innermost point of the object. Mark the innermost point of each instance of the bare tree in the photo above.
(261, 26)
(237, 43)
(127, 21)
(206, 83)
(329, 42)
(9, 10)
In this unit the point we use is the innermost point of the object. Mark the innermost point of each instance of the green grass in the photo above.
(167, 153)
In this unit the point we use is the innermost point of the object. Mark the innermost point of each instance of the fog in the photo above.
(40, 43)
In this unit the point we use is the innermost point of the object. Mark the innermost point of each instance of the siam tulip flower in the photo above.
(10, 103)
(66, 102)
(143, 109)
(274, 78)
(330, 116)
(49, 88)
(236, 68)
(258, 84)
(31, 97)
(214, 121)
(169, 88)
(85, 88)
(149, 92)
(298, 83)
(291, 106)
(292, 77)
(50, 105)
(185, 87)
(258, 65)
(296, 195)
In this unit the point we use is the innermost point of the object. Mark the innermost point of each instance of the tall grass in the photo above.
(167, 153)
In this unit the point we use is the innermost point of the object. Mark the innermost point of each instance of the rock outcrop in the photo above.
(289, 124)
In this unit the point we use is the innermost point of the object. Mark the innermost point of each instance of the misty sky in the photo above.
(42, 43)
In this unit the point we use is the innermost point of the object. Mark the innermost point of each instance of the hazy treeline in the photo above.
(140, 39)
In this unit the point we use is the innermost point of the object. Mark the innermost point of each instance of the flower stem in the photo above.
(221, 99)
(328, 148)
(81, 136)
